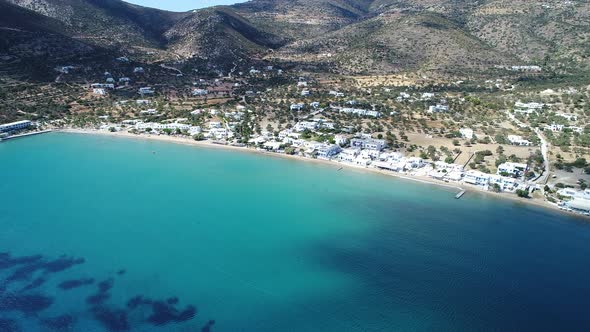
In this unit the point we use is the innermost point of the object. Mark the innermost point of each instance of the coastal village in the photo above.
(493, 135)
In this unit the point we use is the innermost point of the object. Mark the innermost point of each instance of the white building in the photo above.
(476, 178)
(554, 127)
(526, 68)
(414, 162)
(580, 201)
(438, 108)
(146, 91)
(200, 92)
(297, 107)
(151, 111)
(303, 125)
(526, 111)
(18, 125)
(505, 183)
(466, 133)
(340, 139)
(368, 144)
(214, 124)
(65, 69)
(532, 105)
(273, 146)
(518, 140)
(360, 112)
(218, 133)
(573, 193)
(514, 169)
(349, 154)
(327, 151)
(528, 108)
(102, 86)
(99, 91)
(193, 130)
(441, 165)
(403, 96)
(568, 116)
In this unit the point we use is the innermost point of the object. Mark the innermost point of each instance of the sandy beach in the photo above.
(423, 179)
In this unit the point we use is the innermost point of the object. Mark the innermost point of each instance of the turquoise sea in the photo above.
(100, 233)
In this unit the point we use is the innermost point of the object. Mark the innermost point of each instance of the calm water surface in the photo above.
(100, 233)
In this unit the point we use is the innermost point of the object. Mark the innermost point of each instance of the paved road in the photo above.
(544, 148)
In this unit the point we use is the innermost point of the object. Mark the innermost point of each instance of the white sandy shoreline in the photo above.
(421, 179)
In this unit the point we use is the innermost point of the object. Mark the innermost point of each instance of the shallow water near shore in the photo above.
(150, 236)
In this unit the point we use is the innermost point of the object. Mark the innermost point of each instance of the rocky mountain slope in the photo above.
(349, 36)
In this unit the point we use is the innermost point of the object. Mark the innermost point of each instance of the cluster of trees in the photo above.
(569, 166)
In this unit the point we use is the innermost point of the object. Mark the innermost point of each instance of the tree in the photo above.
(522, 193)
(496, 188)
(199, 137)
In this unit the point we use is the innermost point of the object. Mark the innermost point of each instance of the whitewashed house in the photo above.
(303, 125)
(466, 133)
(518, 140)
(199, 92)
(476, 178)
(514, 169)
(327, 151)
(297, 107)
(146, 91)
(340, 139)
(99, 91)
(554, 127)
(438, 108)
(369, 144)
(215, 124)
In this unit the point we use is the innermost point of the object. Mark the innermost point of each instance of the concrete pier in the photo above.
(25, 135)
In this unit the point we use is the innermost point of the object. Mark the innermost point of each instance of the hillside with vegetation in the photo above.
(344, 36)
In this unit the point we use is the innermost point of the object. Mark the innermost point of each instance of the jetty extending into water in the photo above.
(460, 194)
(25, 135)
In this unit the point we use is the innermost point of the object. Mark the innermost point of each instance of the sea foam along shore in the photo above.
(423, 179)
